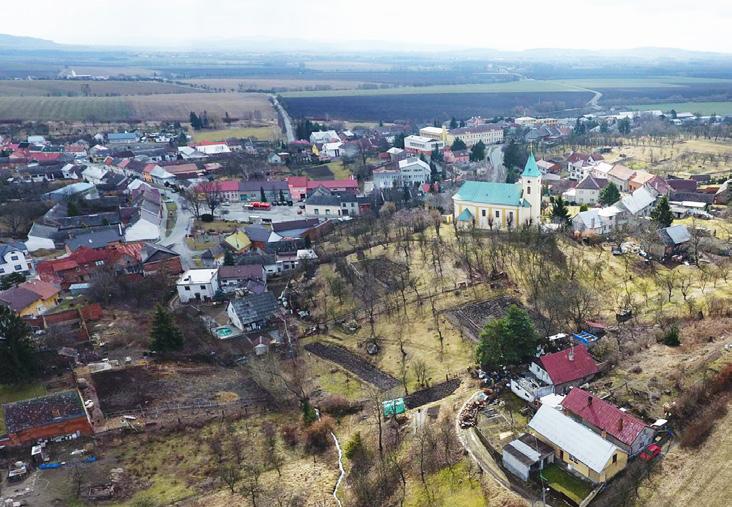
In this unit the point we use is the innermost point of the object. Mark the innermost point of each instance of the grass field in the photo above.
(161, 107)
(704, 108)
(234, 84)
(271, 133)
(96, 88)
(525, 85)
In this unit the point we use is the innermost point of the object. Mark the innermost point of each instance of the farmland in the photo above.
(42, 88)
(704, 108)
(163, 107)
(268, 133)
(235, 84)
(425, 107)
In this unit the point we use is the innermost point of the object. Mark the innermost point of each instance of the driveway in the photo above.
(183, 223)
(472, 444)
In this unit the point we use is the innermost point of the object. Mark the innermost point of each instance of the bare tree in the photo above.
(420, 372)
(212, 195)
(194, 200)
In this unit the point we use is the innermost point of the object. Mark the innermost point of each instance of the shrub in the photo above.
(354, 447)
(290, 435)
(207, 217)
(308, 413)
(671, 338)
(338, 406)
(697, 431)
(318, 435)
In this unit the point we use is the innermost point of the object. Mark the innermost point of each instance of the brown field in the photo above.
(234, 84)
(161, 107)
(62, 88)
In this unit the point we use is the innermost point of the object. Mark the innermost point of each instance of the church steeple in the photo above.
(531, 170)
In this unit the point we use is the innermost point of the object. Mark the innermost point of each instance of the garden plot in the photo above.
(473, 317)
(385, 271)
(434, 393)
(351, 362)
(162, 387)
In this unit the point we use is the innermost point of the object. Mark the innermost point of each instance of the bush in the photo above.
(697, 431)
(207, 217)
(338, 406)
(354, 448)
(308, 413)
(290, 435)
(671, 338)
(318, 435)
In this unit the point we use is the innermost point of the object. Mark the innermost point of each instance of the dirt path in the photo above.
(477, 451)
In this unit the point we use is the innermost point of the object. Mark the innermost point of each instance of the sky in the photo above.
(407, 24)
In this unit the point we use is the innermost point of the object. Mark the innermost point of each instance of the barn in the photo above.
(50, 416)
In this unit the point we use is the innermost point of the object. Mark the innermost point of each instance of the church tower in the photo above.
(531, 190)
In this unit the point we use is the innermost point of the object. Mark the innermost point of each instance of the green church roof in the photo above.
(531, 170)
(484, 192)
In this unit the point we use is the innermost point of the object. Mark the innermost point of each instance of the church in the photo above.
(488, 205)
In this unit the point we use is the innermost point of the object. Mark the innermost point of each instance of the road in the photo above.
(289, 131)
(475, 448)
(183, 222)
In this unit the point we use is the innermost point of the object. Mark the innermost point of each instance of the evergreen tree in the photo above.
(662, 213)
(436, 154)
(458, 145)
(282, 196)
(514, 154)
(609, 195)
(18, 361)
(624, 126)
(228, 258)
(579, 127)
(560, 213)
(435, 123)
(165, 336)
(673, 114)
(453, 123)
(262, 196)
(72, 209)
(399, 141)
(507, 341)
(477, 152)
(11, 280)
(512, 174)
(195, 121)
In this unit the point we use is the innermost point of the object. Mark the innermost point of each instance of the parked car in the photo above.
(650, 452)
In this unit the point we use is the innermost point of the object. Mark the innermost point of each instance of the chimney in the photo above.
(589, 401)
(620, 424)
(570, 354)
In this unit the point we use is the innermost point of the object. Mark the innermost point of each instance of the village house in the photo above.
(328, 205)
(122, 137)
(251, 277)
(675, 240)
(272, 191)
(579, 164)
(595, 222)
(639, 179)
(587, 191)
(324, 136)
(418, 145)
(302, 186)
(31, 298)
(488, 205)
(14, 258)
(621, 176)
(576, 447)
(556, 373)
(198, 285)
(212, 147)
(252, 312)
(46, 417)
(613, 424)
(548, 167)
(525, 455)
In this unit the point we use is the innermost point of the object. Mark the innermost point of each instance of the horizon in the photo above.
(592, 25)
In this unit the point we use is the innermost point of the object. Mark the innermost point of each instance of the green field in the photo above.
(525, 85)
(160, 107)
(704, 108)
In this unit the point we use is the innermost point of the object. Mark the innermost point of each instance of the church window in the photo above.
(528, 190)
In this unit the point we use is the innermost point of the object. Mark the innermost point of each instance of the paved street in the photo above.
(183, 224)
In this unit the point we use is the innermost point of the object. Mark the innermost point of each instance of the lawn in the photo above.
(268, 133)
(574, 488)
(339, 170)
(448, 488)
(11, 393)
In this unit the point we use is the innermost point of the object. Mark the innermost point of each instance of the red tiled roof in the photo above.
(562, 367)
(297, 181)
(42, 156)
(92, 312)
(603, 415)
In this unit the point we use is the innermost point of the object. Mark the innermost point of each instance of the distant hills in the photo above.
(26, 43)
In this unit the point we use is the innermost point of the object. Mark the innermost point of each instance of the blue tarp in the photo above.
(49, 466)
(585, 337)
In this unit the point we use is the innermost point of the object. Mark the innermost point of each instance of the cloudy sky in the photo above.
(500, 24)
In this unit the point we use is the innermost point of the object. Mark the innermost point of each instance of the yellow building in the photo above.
(576, 447)
(489, 205)
(31, 298)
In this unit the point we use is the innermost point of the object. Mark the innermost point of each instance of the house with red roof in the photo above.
(565, 369)
(615, 425)
(302, 186)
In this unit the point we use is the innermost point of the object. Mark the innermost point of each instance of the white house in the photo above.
(413, 172)
(587, 191)
(332, 150)
(324, 136)
(14, 258)
(212, 148)
(94, 174)
(422, 145)
(197, 285)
